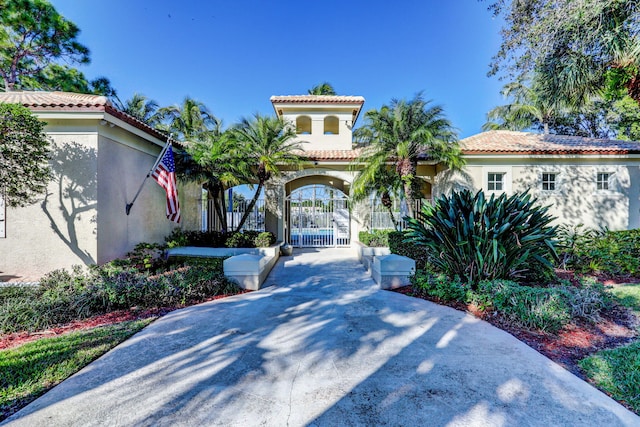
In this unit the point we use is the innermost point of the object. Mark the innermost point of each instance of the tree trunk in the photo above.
(406, 168)
(385, 198)
(217, 191)
(250, 206)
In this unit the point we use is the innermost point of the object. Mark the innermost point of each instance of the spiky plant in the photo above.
(476, 238)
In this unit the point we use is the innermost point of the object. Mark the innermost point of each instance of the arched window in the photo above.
(331, 125)
(303, 125)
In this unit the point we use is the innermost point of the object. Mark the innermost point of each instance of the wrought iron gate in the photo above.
(318, 216)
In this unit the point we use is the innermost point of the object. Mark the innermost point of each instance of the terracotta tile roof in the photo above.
(317, 99)
(511, 142)
(331, 155)
(74, 102)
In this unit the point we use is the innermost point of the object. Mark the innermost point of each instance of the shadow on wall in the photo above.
(75, 174)
(577, 201)
(450, 181)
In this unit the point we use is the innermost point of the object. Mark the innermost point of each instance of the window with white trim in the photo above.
(495, 181)
(603, 181)
(549, 181)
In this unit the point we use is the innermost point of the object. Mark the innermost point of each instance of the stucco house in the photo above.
(583, 180)
(587, 181)
(100, 157)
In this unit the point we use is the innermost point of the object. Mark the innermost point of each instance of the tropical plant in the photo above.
(579, 47)
(395, 137)
(324, 88)
(32, 35)
(476, 239)
(270, 143)
(190, 121)
(142, 108)
(24, 151)
(527, 109)
(217, 161)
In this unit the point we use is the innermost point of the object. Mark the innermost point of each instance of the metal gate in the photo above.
(318, 216)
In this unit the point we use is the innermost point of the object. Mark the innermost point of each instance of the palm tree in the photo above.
(188, 122)
(143, 109)
(217, 162)
(271, 145)
(402, 133)
(322, 89)
(529, 108)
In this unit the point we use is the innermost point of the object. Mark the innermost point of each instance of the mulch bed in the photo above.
(19, 338)
(574, 342)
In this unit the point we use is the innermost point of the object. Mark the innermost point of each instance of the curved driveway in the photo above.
(323, 346)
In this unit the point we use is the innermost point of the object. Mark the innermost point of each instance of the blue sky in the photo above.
(233, 55)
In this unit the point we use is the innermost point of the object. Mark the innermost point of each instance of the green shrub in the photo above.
(240, 240)
(264, 240)
(477, 239)
(213, 239)
(400, 245)
(545, 309)
(588, 301)
(64, 296)
(439, 286)
(374, 238)
(610, 252)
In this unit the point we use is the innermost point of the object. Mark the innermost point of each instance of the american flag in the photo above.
(165, 176)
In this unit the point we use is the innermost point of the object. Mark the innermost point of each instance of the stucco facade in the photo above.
(583, 181)
(99, 159)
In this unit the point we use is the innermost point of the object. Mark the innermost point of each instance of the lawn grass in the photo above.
(27, 371)
(617, 371)
(629, 296)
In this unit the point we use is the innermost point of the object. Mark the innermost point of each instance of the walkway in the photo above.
(323, 347)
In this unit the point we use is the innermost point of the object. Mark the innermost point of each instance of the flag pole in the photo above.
(128, 206)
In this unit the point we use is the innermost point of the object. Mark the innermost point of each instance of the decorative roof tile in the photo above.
(74, 102)
(331, 155)
(317, 99)
(512, 142)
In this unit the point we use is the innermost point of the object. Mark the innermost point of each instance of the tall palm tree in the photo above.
(217, 162)
(324, 88)
(400, 134)
(143, 109)
(270, 142)
(528, 108)
(188, 122)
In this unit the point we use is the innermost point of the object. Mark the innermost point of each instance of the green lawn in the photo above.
(617, 370)
(28, 371)
(629, 296)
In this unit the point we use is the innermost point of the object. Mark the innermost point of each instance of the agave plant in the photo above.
(476, 238)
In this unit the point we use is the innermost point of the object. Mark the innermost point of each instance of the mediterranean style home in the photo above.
(99, 158)
(101, 155)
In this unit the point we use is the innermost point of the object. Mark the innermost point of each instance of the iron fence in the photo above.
(211, 221)
(379, 217)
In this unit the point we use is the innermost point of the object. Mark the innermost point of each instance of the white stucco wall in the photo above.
(317, 140)
(60, 229)
(576, 199)
(97, 170)
(123, 163)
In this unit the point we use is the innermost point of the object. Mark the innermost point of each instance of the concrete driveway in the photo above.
(323, 346)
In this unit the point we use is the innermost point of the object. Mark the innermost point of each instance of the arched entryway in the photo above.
(318, 215)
